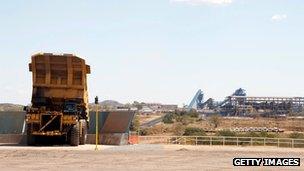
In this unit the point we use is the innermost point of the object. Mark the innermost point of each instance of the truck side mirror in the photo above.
(30, 67)
(96, 100)
(24, 108)
(88, 69)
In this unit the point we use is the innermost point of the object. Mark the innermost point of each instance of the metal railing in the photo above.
(216, 140)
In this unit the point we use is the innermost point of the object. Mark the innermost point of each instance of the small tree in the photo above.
(215, 120)
(168, 118)
(138, 105)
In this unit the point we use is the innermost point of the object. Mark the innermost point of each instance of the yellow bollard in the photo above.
(96, 124)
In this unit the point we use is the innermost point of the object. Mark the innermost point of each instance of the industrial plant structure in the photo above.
(239, 104)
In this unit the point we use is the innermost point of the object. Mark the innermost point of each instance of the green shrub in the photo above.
(268, 135)
(264, 134)
(168, 118)
(193, 114)
(296, 135)
(259, 134)
(193, 131)
(226, 133)
(251, 134)
(143, 132)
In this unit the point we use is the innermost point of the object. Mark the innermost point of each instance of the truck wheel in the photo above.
(84, 131)
(30, 139)
(74, 139)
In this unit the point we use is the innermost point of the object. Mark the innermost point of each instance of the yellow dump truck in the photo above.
(59, 98)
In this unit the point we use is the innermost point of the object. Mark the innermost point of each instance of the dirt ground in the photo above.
(282, 123)
(137, 157)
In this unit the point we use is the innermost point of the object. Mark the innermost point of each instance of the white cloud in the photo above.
(278, 17)
(204, 2)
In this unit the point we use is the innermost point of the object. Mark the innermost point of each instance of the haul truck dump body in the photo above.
(59, 98)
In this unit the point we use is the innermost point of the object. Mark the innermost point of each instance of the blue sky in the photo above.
(159, 50)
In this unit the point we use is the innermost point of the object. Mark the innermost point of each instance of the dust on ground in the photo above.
(137, 157)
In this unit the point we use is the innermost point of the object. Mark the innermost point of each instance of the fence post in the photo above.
(237, 141)
(223, 141)
(278, 142)
(251, 143)
(292, 143)
(210, 141)
(264, 141)
(196, 141)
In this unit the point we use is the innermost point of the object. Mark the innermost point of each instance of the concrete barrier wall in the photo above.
(12, 139)
(13, 122)
(113, 127)
(107, 139)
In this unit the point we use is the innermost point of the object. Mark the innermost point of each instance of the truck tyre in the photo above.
(30, 139)
(84, 131)
(74, 139)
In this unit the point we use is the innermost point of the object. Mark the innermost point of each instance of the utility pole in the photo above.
(96, 123)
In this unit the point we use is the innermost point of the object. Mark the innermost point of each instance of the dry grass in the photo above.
(289, 125)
